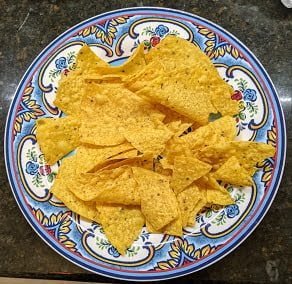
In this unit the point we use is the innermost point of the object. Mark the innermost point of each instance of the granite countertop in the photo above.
(265, 26)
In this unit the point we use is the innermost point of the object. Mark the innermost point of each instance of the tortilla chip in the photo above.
(176, 84)
(158, 168)
(122, 225)
(158, 202)
(187, 200)
(87, 61)
(198, 207)
(171, 115)
(232, 172)
(174, 228)
(175, 91)
(248, 153)
(90, 186)
(69, 93)
(149, 139)
(57, 137)
(185, 171)
(110, 109)
(61, 189)
(133, 65)
(175, 52)
(90, 158)
(71, 86)
(150, 228)
(215, 193)
(177, 127)
(122, 190)
(218, 131)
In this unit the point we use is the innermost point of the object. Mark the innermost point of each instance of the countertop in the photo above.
(265, 26)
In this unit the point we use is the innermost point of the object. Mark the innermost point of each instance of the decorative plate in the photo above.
(218, 231)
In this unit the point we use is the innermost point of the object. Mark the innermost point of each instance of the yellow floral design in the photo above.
(215, 47)
(182, 253)
(57, 225)
(28, 109)
(268, 164)
(106, 32)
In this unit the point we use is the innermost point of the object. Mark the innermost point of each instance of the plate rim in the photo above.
(253, 222)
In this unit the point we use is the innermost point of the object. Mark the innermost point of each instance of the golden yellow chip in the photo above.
(150, 228)
(71, 86)
(215, 193)
(149, 139)
(69, 93)
(175, 52)
(158, 201)
(177, 127)
(57, 137)
(232, 172)
(218, 131)
(87, 61)
(122, 225)
(90, 186)
(174, 227)
(140, 161)
(187, 200)
(110, 109)
(199, 206)
(176, 84)
(185, 171)
(133, 65)
(175, 91)
(158, 168)
(122, 190)
(91, 158)
(61, 189)
(248, 153)
(171, 115)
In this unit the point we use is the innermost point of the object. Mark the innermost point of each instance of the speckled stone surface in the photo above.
(265, 26)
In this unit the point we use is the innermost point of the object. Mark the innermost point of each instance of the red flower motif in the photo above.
(66, 71)
(45, 170)
(154, 40)
(237, 96)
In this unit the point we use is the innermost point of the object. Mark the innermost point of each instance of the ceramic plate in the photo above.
(114, 36)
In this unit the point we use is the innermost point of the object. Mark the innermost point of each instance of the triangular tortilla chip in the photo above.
(187, 200)
(149, 139)
(111, 109)
(71, 86)
(121, 190)
(90, 158)
(248, 153)
(122, 225)
(232, 172)
(186, 170)
(174, 228)
(61, 189)
(218, 131)
(177, 83)
(214, 192)
(57, 137)
(133, 65)
(158, 202)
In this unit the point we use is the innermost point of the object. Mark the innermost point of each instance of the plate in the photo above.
(218, 231)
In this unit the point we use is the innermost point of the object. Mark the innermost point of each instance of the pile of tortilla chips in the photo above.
(146, 152)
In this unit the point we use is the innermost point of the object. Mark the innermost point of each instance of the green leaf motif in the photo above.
(132, 251)
(220, 219)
